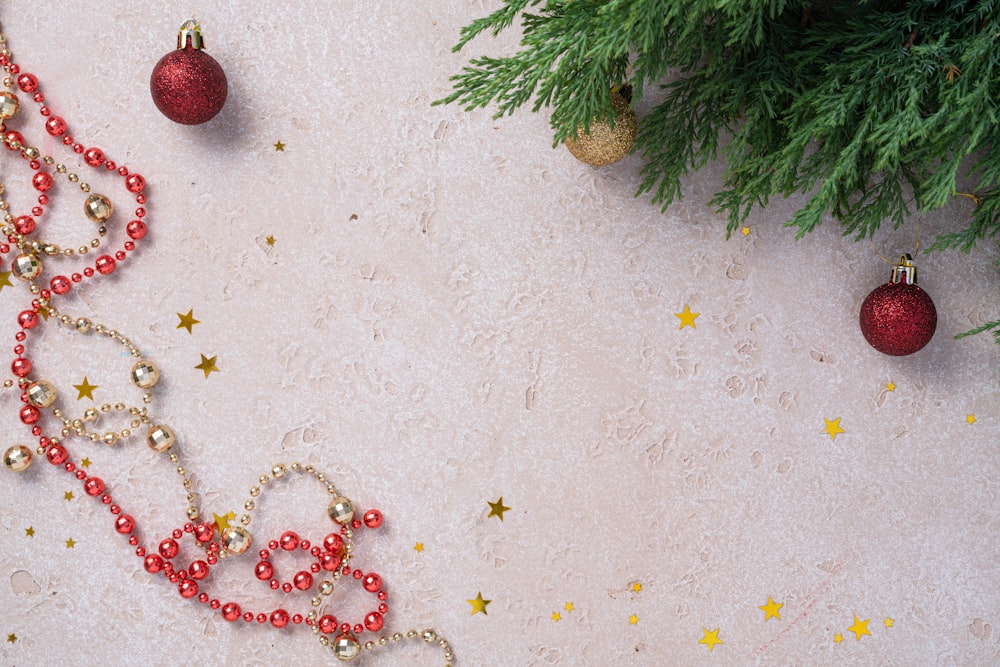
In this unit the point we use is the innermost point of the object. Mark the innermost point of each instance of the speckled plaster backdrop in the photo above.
(452, 312)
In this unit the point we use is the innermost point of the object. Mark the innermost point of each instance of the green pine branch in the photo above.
(874, 109)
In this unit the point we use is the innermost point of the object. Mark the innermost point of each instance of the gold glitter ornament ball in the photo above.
(604, 144)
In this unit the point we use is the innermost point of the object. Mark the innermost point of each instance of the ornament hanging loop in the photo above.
(904, 271)
(190, 29)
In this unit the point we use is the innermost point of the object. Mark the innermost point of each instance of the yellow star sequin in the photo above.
(5, 280)
(636, 587)
(418, 547)
(832, 427)
(687, 317)
(837, 638)
(70, 543)
(12, 638)
(29, 531)
(187, 321)
(278, 146)
(633, 620)
(222, 522)
(745, 231)
(710, 639)
(85, 389)
(568, 606)
(771, 609)
(479, 604)
(269, 240)
(85, 463)
(497, 509)
(68, 495)
(859, 628)
(970, 419)
(556, 616)
(890, 386)
(889, 622)
(208, 365)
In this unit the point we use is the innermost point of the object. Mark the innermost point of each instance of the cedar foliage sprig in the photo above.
(875, 109)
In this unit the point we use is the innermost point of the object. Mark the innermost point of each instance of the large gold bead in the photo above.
(236, 539)
(17, 458)
(41, 393)
(341, 510)
(145, 374)
(98, 208)
(346, 648)
(604, 144)
(160, 438)
(9, 105)
(26, 266)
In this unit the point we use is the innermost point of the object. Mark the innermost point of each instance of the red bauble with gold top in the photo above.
(188, 85)
(899, 318)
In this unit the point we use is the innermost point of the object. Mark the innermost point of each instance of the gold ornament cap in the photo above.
(904, 271)
(190, 29)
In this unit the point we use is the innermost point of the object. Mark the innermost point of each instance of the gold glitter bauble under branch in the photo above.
(604, 145)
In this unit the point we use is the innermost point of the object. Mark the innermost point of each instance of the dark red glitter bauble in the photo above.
(898, 318)
(188, 86)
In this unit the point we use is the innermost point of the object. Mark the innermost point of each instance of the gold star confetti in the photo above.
(889, 622)
(859, 628)
(633, 620)
(68, 495)
(4, 280)
(970, 419)
(479, 605)
(832, 427)
(687, 317)
(222, 522)
(710, 639)
(837, 638)
(12, 638)
(636, 587)
(418, 547)
(29, 531)
(556, 616)
(497, 509)
(85, 389)
(279, 147)
(269, 240)
(890, 386)
(745, 231)
(187, 321)
(85, 463)
(70, 543)
(568, 606)
(208, 365)
(771, 609)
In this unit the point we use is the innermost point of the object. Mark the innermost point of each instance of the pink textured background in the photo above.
(498, 319)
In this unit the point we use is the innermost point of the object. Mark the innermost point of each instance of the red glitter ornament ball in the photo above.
(188, 85)
(899, 318)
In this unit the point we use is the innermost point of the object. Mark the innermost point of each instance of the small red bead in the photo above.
(80, 475)
(153, 563)
(248, 617)
(305, 545)
(262, 618)
(264, 570)
(188, 588)
(302, 581)
(383, 608)
(212, 559)
(135, 183)
(314, 568)
(189, 527)
(140, 552)
(279, 618)
(133, 540)
(21, 367)
(168, 549)
(78, 148)
(382, 595)
(36, 430)
(372, 582)
(288, 541)
(203, 532)
(67, 140)
(274, 584)
(27, 319)
(45, 111)
(55, 126)
(315, 552)
(123, 171)
(358, 628)
(214, 604)
(140, 199)
(76, 277)
(106, 499)
(124, 524)
(34, 165)
(56, 455)
(69, 467)
(355, 523)
(93, 156)
(136, 229)
(374, 621)
(140, 212)
(327, 624)
(272, 545)
(94, 486)
(333, 542)
(43, 200)
(296, 619)
(129, 246)
(30, 414)
(60, 284)
(41, 181)
(105, 264)
(18, 349)
(198, 569)
(120, 256)
(287, 587)
(13, 137)
(177, 533)
(345, 627)
(110, 165)
(36, 211)
(373, 518)
(28, 83)
(203, 598)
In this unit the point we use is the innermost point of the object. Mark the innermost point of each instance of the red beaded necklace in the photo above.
(213, 545)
